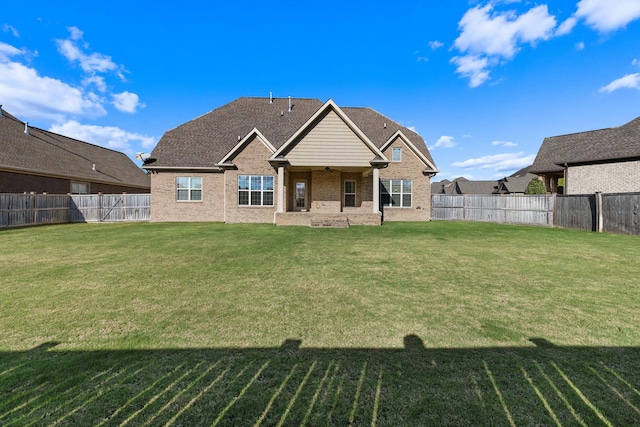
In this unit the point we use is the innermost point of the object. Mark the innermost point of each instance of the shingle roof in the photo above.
(622, 142)
(515, 184)
(477, 187)
(205, 140)
(47, 153)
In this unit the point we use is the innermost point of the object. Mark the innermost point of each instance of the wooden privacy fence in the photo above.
(609, 213)
(18, 210)
(506, 209)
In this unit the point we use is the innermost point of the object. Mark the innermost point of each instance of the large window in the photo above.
(255, 190)
(396, 193)
(188, 188)
(349, 193)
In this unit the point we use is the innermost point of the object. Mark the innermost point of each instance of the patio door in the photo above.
(300, 195)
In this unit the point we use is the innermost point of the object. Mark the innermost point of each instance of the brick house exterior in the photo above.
(291, 162)
(605, 160)
(33, 160)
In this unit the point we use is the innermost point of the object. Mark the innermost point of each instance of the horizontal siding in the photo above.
(330, 143)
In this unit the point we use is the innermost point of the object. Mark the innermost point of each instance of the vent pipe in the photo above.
(289, 104)
(93, 168)
(26, 128)
(270, 97)
(0, 110)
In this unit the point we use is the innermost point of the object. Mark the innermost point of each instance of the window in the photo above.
(396, 155)
(188, 189)
(349, 193)
(396, 193)
(255, 190)
(79, 188)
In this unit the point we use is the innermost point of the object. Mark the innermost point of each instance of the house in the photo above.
(605, 160)
(33, 160)
(291, 162)
(517, 182)
(462, 185)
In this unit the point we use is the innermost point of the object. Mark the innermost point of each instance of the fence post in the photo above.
(100, 218)
(599, 214)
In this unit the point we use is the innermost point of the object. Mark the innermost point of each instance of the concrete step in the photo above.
(330, 222)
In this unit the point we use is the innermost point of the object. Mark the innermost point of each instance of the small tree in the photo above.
(535, 186)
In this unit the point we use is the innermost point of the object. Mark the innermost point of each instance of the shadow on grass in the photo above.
(292, 385)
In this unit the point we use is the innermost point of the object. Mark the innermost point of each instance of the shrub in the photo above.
(535, 186)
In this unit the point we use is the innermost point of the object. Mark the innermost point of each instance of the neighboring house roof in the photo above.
(223, 128)
(46, 153)
(476, 187)
(515, 184)
(597, 146)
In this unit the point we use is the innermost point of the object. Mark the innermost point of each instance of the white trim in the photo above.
(280, 189)
(240, 145)
(329, 105)
(412, 147)
(189, 189)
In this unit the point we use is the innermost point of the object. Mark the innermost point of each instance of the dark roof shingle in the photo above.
(205, 140)
(47, 153)
(622, 142)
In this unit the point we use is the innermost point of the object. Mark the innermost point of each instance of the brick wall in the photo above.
(623, 177)
(11, 182)
(410, 167)
(165, 207)
(252, 160)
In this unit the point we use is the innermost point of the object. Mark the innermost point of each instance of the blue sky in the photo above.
(482, 81)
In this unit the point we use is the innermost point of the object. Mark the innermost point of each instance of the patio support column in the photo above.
(280, 188)
(376, 190)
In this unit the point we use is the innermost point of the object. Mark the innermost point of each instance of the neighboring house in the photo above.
(33, 160)
(516, 183)
(464, 186)
(291, 161)
(605, 160)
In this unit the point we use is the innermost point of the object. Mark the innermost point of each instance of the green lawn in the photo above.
(441, 323)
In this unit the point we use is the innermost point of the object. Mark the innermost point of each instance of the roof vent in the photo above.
(270, 97)
(239, 137)
(26, 128)
(0, 110)
(385, 125)
(289, 104)
(93, 168)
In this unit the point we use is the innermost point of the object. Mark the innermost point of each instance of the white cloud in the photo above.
(10, 29)
(25, 93)
(127, 102)
(445, 142)
(7, 51)
(499, 33)
(89, 62)
(472, 67)
(580, 46)
(487, 36)
(505, 143)
(499, 162)
(567, 26)
(104, 136)
(635, 62)
(435, 44)
(608, 15)
(422, 59)
(630, 81)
